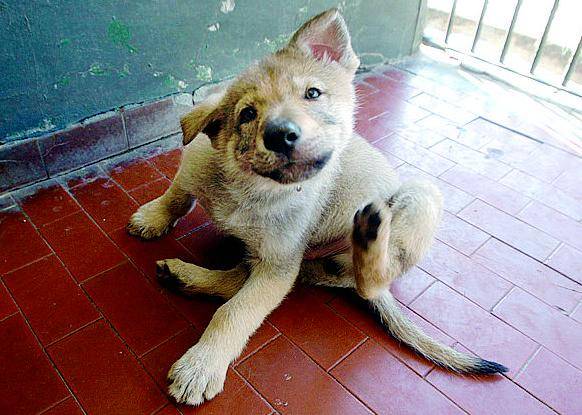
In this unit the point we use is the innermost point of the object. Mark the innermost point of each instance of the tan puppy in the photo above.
(275, 162)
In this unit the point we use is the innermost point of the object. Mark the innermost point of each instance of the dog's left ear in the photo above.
(326, 37)
(206, 117)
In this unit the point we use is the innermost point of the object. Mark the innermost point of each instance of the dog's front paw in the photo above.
(150, 221)
(196, 376)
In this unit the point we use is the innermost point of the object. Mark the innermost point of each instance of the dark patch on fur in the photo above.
(168, 280)
(487, 367)
(332, 267)
(372, 220)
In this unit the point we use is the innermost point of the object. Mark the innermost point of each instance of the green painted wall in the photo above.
(65, 60)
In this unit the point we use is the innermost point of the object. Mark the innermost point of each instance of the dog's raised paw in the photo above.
(367, 222)
(150, 221)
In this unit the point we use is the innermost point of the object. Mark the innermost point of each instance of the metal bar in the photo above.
(450, 23)
(527, 75)
(510, 31)
(572, 65)
(479, 25)
(544, 38)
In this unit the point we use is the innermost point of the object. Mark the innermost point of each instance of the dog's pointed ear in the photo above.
(206, 117)
(326, 37)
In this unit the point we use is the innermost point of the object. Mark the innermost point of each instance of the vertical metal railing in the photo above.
(544, 38)
(571, 67)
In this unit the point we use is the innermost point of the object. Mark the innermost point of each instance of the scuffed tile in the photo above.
(20, 163)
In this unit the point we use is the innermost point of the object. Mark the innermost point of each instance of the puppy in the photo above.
(275, 162)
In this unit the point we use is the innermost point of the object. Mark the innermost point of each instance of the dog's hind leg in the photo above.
(390, 236)
(188, 278)
(335, 271)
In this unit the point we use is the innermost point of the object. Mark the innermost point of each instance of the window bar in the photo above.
(573, 62)
(544, 38)
(479, 25)
(450, 23)
(510, 31)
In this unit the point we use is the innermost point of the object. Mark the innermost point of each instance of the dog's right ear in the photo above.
(206, 117)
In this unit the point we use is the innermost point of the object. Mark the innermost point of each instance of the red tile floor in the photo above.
(85, 328)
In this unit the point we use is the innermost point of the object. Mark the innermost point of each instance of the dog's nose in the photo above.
(281, 135)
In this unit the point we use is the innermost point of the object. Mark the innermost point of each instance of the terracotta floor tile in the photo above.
(554, 382)
(474, 327)
(387, 386)
(548, 163)
(145, 253)
(409, 286)
(553, 223)
(19, 240)
(292, 383)
(459, 234)
(529, 274)
(133, 173)
(544, 193)
(193, 220)
(159, 360)
(510, 230)
(168, 162)
(170, 409)
(358, 313)
(29, 384)
(442, 108)
(81, 245)
(577, 314)
(48, 204)
(103, 374)
(198, 309)
(139, 313)
(512, 150)
(67, 407)
(391, 86)
(373, 129)
(544, 324)
(490, 191)
(569, 182)
(363, 90)
(315, 328)
(50, 299)
(415, 155)
(7, 306)
(471, 159)
(109, 206)
(465, 275)
(150, 191)
(421, 136)
(486, 394)
(568, 261)
(440, 125)
(455, 199)
(264, 334)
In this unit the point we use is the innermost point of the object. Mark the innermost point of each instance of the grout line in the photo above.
(348, 353)
(528, 361)
(511, 289)
(55, 405)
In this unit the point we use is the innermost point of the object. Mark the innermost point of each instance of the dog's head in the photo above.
(291, 114)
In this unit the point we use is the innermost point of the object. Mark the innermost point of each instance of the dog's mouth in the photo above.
(293, 171)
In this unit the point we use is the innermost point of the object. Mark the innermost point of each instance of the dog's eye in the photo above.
(247, 115)
(312, 93)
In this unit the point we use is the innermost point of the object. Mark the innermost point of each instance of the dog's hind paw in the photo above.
(367, 222)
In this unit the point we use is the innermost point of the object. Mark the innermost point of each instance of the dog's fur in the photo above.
(334, 185)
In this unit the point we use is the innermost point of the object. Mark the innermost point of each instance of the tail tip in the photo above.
(487, 367)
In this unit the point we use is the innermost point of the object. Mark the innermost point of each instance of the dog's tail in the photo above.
(404, 330)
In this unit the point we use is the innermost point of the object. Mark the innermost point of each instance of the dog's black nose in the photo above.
(281, 135)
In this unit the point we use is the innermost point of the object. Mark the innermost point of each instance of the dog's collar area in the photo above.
(324, 251)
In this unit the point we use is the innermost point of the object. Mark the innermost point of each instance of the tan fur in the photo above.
(278, 206)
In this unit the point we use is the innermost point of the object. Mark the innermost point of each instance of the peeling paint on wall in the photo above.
(227, 6)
